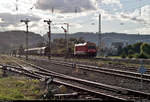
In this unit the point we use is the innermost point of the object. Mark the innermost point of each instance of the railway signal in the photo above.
(49, 36)
(26, 22)
(66, 38)
(66, 42)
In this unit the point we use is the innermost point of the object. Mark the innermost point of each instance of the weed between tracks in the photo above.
(102, 63)
(14, 88)
(5, 60)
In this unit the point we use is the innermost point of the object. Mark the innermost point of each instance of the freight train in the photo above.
(82, 49)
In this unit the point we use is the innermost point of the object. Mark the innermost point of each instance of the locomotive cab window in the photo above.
(91, 47)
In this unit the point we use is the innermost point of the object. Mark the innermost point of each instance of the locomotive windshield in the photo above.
(91, 47)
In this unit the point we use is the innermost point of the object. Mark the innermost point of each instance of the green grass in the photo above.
(13, 88)
(18, 88)
(4, 59)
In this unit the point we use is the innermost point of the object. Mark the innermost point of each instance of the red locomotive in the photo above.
(85, 49)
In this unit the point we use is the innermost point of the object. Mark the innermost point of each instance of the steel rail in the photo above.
(126, 74)
(38, 76)
(130, 91)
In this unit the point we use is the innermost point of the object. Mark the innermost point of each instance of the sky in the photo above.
(122, 16)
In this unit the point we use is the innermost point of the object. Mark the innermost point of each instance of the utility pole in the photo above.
(99, 37)
(49, 36)
(26, 22)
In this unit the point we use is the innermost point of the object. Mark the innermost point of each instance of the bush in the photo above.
(6, 97)
(143, 55)
(136, 55)
(123, 55)
(130, 56)
(130, 51)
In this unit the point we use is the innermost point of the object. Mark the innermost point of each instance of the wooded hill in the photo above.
(13, 39)
(107, 38)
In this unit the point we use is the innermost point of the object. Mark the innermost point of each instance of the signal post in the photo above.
(66, 38)
(49, 36)
(26, 22)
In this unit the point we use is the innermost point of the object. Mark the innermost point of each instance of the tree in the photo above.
(136, 47)
(59, 45)
(123, 55)
(21, 50)
(146, 48)
(80, 40)
(119, 50)
(138, 50)
(143, 55)
(41, 44)
(131, 51)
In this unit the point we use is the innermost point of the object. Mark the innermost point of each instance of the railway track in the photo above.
(135, 61)
(112, 66)
(127, 81)
(117, 66)
(120, 73)
(132, 82)
(112, 92)
(127, 74)
(58, 80)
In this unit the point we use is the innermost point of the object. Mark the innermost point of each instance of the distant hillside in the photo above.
(13, 39)
(107, 38)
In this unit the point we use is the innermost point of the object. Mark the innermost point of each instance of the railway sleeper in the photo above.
(103, 87)
(119, 91)
(139, 95)
(68, 95)
(130, 92)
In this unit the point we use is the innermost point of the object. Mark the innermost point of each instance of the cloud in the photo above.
(112, 2)
(139, 15)
(66, 6)
(12, 19)
(76, 25)
(132, 18)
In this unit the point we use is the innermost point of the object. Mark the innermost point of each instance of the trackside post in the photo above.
(141, 70)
